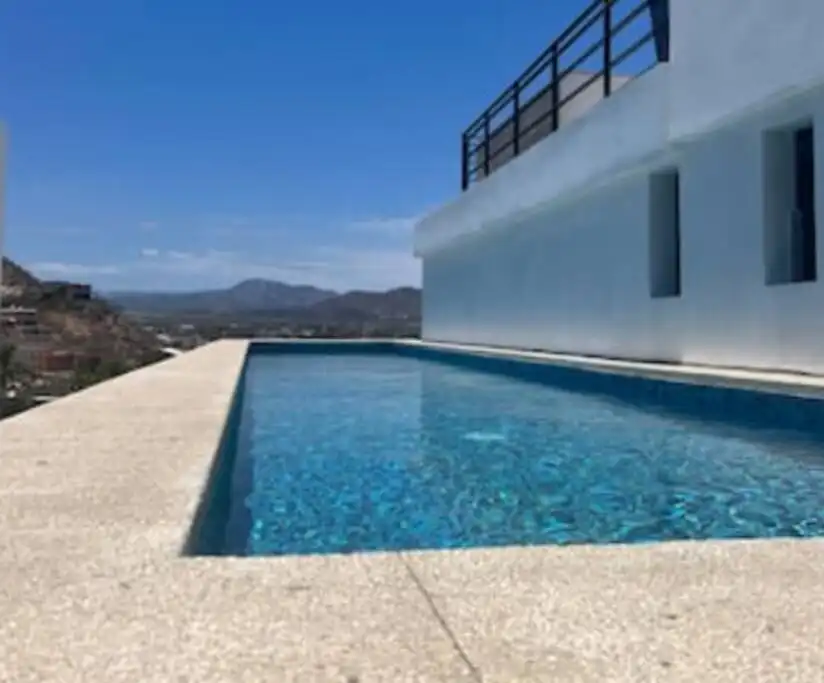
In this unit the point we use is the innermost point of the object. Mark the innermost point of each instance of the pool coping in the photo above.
(773, 381)
(98, 492)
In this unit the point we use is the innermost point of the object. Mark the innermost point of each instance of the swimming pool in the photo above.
(362, 447)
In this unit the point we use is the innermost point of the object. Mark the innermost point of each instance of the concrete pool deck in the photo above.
(97, 492)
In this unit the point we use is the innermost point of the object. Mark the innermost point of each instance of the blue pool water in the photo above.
(347, 452)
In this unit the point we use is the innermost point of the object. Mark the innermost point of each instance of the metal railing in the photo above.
(607, 34)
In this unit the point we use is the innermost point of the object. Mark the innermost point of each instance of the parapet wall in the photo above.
(608, 138)
(535, 121)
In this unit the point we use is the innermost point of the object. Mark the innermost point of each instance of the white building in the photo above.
(2, 201)
(674, 220)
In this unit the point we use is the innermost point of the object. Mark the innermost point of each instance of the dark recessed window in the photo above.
(665, 234)
(789, 206)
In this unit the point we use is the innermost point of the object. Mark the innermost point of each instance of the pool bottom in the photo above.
(410, 448)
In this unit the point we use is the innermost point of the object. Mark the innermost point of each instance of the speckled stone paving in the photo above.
(97, 492)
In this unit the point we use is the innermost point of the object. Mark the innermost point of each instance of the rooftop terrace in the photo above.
(606, 45)
(98, 492)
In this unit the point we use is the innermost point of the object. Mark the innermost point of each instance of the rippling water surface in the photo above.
(345, 453)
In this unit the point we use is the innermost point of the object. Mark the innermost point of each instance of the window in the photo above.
(665, 234)
(789, 206)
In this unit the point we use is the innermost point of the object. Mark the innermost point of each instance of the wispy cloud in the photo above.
(386, 226)
(148, 225)
(363, 254)
(71, 270)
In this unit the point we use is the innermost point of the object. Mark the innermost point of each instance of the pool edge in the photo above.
(656, 392)
(198, 541)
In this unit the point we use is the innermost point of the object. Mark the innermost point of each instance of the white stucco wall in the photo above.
(574, 276)
(550, 282)
(731, 55)
(552, 250)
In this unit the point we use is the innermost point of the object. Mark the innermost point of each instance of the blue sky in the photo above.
(181, 144)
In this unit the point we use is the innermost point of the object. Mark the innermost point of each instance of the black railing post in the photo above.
(464, 161)
(516, 120)
(555, 87)
(607, 47)
(486, 145)
(659, 15)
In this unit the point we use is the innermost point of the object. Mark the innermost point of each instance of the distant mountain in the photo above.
(402, 303)
(298, 302)
(249, 295)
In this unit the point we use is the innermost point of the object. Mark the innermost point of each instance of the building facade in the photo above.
(675, 220)
(2, 201)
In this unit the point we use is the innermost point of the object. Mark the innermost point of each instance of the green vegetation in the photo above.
(9, 369)
(7, 351)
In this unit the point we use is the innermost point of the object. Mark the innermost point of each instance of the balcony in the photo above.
(604, 47)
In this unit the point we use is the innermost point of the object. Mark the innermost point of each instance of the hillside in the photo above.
(17, 280)
(96, 329)
(84, 328)
(297, 302)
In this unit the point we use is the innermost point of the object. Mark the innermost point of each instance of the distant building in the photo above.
(18, 317)
(69, 291)
(55, 360)
(29, 352)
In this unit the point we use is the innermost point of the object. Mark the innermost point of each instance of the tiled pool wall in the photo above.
(207, 533)
(211, 531)
(753, 408)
